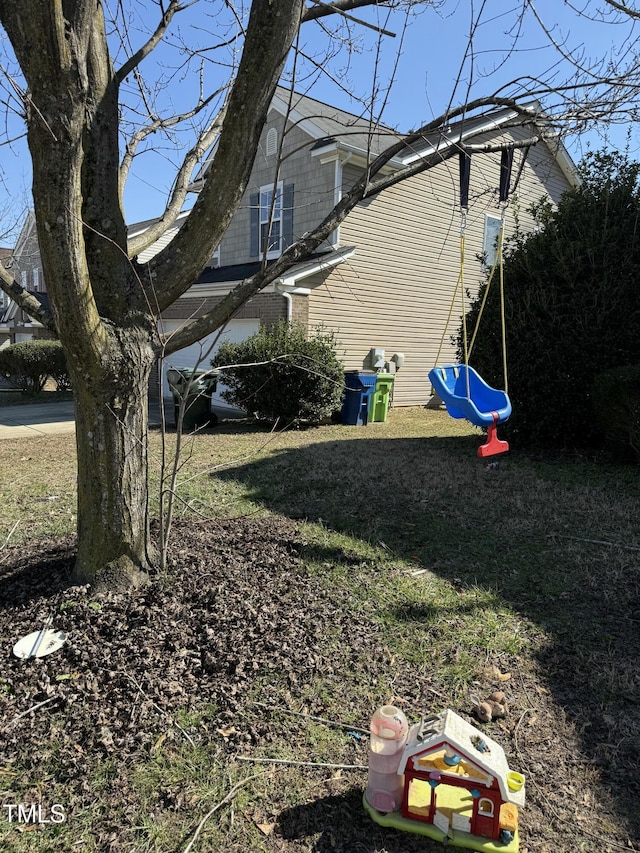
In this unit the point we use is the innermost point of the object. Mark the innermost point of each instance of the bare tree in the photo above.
(71, 78)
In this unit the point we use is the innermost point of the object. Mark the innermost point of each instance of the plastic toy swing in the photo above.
(461, 388)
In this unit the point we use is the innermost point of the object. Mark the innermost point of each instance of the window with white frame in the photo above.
(36, 278)
(271, 220)
(490, 243)
(23, 278)
(271, 216)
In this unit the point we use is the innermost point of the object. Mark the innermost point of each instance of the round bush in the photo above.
(280, 375)
(28, 364)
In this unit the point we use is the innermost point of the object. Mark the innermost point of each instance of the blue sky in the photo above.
(432, 48)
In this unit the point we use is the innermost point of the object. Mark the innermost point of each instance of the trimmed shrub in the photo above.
(616, 405)
(283, 376)
(27, 365)
(571, 304)
(58, 369)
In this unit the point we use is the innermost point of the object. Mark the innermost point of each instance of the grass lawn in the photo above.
(409, 572)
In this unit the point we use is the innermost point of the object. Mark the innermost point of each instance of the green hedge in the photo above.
(283, 376)
(616, 405)
(572, 306)
(28, 365)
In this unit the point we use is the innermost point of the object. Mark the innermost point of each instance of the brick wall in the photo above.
(266, 307)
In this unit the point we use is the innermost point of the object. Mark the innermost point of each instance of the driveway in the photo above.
(35, 419)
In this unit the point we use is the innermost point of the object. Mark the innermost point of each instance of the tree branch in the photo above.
(139, 243)
(25, 300)
(321, 9)
(621, 7)
(270, 33)
(142, 53)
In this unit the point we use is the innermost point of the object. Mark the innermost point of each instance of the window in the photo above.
(271, 220)
(214, 261)
(36, 279)
(23, 278)
(271, 216)
(490, 245)
(485, 807)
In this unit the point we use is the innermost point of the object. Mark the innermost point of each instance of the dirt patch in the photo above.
(239, 627)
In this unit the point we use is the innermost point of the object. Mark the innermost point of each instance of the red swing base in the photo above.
(493, 445)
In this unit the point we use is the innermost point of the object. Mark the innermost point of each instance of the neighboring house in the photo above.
(24, 262)
(387, 275)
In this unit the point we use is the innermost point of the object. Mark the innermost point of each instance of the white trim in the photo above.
(297, 118)
(137, 227)
(299, 273)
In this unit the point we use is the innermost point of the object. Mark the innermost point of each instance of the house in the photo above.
(24, 262)
(455, 786)
(386, 277)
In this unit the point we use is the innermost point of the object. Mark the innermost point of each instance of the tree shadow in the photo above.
(41, 572)
(340, 823)
(506, 531)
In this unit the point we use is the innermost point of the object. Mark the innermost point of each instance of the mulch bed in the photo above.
(242, 625)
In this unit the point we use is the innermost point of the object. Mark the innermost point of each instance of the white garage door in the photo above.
(202, 352)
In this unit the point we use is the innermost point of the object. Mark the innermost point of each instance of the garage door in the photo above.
(202, 352)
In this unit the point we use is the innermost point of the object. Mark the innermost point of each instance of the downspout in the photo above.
(288, 290)
(280, 286)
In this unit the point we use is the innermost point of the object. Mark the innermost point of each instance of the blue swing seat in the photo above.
(480, 404)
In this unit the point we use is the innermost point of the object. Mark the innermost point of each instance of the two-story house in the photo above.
(386, 276)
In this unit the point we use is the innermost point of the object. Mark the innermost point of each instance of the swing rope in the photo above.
(506, 166)
(465, 174)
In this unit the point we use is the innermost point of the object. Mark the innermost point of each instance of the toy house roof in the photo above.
(448, 733)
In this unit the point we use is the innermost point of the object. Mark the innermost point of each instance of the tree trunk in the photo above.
(114, 547)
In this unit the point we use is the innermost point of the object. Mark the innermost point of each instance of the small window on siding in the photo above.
(272, 141)
(36, 278)
(490, 243)
(215, 257)
(23, 278)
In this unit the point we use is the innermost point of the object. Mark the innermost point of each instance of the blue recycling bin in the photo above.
(359, 386)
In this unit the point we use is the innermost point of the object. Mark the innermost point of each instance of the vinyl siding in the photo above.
(313, 189)
(396, 290)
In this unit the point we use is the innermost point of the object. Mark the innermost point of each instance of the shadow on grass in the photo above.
(340, 823)
(525, 533)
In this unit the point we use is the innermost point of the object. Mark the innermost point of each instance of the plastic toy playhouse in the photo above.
(442, 778)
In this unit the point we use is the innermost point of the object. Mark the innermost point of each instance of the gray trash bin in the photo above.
(197, 407)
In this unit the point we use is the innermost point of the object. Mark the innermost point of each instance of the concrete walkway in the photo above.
(36, 419)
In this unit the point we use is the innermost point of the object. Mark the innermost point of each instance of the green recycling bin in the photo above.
(380, 400)
(197, 406)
